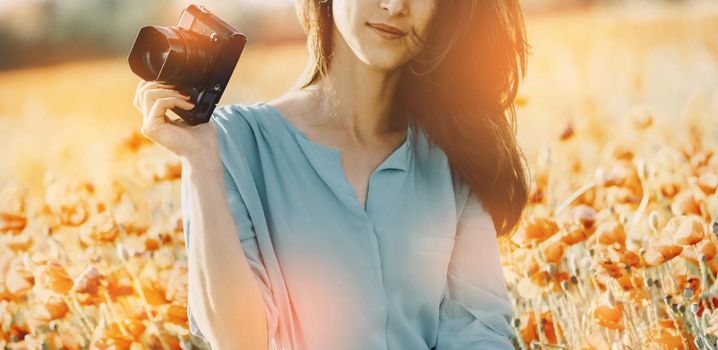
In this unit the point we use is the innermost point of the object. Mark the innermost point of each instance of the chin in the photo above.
(382, 62)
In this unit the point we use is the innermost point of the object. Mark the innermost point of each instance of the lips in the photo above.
(387, 29)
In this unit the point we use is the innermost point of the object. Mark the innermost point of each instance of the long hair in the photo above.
(460, 90)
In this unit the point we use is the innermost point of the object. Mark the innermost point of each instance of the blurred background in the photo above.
(72, 148)
(63, 68)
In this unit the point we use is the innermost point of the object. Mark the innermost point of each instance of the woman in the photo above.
(355, 231)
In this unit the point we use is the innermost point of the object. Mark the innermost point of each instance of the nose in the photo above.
(395, 7)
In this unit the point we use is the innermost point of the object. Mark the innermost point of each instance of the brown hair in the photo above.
(460, 90)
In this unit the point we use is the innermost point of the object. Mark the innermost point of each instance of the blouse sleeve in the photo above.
(475, 312)
(244, 229)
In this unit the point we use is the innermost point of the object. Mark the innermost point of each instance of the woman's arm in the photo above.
(475, 312)
(224, 296)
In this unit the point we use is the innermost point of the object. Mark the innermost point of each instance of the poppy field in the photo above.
(618, 247)
(626, 261)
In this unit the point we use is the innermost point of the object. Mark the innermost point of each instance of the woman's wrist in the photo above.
(205, 163)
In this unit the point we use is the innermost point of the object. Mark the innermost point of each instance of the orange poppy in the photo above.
(604, 311)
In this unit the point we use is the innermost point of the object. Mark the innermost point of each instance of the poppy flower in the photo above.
(12, 222)
(53, 277)
(664, 336)
(660, 250)
(605, 312)
(685, 230)
(535, 230)
(708, 181)
(685, 203)
(88, 282)
(100, 228)
(611, 232)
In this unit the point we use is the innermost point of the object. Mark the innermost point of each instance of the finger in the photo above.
(156, 84)
(146, 85)
(154, 94)
(151, 95)
(142, 83)
(142, 87)
(161, 105)
(138, 94)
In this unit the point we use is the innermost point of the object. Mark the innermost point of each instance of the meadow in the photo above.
(618, 117)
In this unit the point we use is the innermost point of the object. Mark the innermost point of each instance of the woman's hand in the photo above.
(153, 99)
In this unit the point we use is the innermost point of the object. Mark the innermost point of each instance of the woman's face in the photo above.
(353, 20)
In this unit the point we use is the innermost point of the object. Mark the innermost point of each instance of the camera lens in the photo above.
(173, 55)
(198, 58)
(156, 54)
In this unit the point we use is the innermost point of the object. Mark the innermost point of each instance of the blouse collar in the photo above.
(399, 159)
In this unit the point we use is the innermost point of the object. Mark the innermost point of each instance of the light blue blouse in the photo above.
(417, 268)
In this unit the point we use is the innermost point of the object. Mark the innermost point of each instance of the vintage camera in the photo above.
(197, 56)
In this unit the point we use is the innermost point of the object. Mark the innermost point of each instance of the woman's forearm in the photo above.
(225, 299)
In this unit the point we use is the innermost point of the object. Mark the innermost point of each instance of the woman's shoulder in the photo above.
(245, 123)
(236, 116)
(243, 130)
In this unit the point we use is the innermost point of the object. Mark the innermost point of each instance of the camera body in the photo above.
(198, 56)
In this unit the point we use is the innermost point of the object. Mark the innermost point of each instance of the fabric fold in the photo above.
(244, 229)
